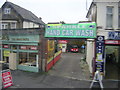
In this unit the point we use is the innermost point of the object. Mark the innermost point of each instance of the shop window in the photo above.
(14, 47)
(28, 59)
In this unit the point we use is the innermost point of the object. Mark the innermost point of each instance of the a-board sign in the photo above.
(80, 30)
(6, 78)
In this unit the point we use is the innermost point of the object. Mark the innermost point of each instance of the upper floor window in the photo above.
(119, 17)
(4, 26)
(13, 25)
(7, 10)
(109, 18)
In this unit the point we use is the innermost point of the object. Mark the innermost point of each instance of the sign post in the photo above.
(7, 78)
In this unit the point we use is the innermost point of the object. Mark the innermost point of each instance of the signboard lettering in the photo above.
(5, 46)
(33, 48)
(81, 30)
(23, 47)
(117, 42)
(114, 35)
(63, 41)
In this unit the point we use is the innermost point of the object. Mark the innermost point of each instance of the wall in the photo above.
(90, 54)
(53, 60)
(12, 16)
(101, 17)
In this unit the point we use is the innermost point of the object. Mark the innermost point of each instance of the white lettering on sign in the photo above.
(67, 32)
(53, 32)
(5, 46)
(23, 47)
(84, 33)
(33, 48)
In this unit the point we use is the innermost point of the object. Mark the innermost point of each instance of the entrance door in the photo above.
(112, 59)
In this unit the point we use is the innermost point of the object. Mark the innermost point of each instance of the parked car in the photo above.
(74, 48)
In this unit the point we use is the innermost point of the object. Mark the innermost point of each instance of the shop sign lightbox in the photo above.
(80, 30)
(114, 35)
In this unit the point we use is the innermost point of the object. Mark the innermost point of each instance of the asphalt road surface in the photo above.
(68, 72)
(70, 66)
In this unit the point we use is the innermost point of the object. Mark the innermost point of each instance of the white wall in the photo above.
(29, 25)
(101, 21)
(101, 14)
(90, 54)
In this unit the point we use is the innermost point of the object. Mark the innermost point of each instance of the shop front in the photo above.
(112, 55)
(23, 50)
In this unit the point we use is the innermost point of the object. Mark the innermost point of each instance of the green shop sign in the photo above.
(81, 30)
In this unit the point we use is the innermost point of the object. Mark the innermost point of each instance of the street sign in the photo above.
(6, 78)
(80, 30)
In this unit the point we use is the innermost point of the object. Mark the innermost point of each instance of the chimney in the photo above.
(40, 18)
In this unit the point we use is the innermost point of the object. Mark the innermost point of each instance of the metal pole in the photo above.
(1, 56)
(1, 49)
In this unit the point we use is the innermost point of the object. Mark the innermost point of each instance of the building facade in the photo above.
(14, 16)
(106, 14)
(22, 36)
(23, 45)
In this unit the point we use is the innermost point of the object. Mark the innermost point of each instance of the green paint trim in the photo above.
(21, 43)
(28, 51)
(28, 68)
(35, 51)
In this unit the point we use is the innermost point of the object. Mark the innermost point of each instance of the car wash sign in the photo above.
(81, 30)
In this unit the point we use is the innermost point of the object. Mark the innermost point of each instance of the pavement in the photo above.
(69, 72)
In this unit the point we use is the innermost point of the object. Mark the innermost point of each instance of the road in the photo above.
(69, 72)
(70, 66)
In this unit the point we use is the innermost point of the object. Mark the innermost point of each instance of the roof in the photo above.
(25, 14)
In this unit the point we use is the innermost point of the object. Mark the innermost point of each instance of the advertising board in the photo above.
(6, 78)
(80, 30)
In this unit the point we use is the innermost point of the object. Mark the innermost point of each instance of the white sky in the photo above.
(69, 11)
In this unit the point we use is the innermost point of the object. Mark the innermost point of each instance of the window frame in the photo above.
(111, 14)
(13, 27)
(4, 25)
(118, 17)
(7, 10)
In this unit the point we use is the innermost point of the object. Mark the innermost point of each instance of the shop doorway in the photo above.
(112, 60)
